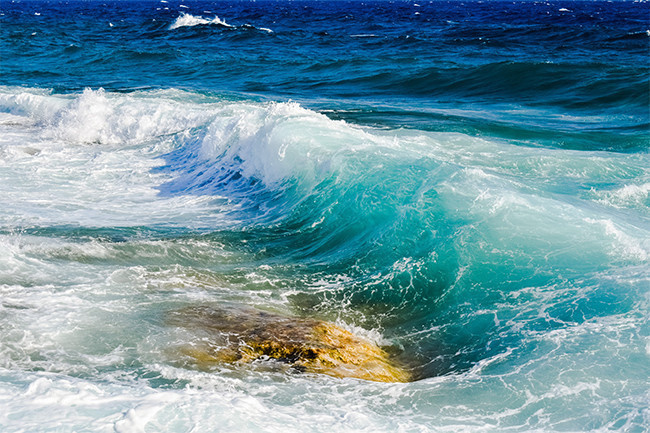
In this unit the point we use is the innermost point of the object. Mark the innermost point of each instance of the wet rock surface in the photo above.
(242, 335)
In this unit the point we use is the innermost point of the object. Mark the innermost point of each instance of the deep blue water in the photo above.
(377, 63)
(466, 182)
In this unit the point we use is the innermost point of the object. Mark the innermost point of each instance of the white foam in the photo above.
(136, 419)
(188, 20)
(51, 401)
(624, 246)
(95, 117)
(281, 141)
(628, 196)
(90, 157)
(35, 104)
(14, 120)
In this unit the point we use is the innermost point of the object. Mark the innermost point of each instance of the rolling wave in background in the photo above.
(482, 208)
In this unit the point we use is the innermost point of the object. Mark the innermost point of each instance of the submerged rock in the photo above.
(236, 334)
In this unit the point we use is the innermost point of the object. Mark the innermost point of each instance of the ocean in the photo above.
(465, 183)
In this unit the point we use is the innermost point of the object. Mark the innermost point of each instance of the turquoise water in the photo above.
(467, 183)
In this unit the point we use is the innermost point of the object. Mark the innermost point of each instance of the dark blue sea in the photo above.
(465, 183)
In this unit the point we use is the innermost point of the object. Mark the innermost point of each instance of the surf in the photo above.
(485, 241)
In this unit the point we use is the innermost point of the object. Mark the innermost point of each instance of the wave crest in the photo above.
(188, 20)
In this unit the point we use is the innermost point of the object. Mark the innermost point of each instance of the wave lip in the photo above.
(188, 20)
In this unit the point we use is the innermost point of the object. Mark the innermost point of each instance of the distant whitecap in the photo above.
(187, 20)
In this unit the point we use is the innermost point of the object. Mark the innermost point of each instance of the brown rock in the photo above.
(237, 334)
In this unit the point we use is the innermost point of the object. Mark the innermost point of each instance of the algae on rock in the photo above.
(239, 334)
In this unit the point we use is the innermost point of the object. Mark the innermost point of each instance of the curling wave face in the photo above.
(483, 262)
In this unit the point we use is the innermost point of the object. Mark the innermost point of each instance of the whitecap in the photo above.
(188, 20)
